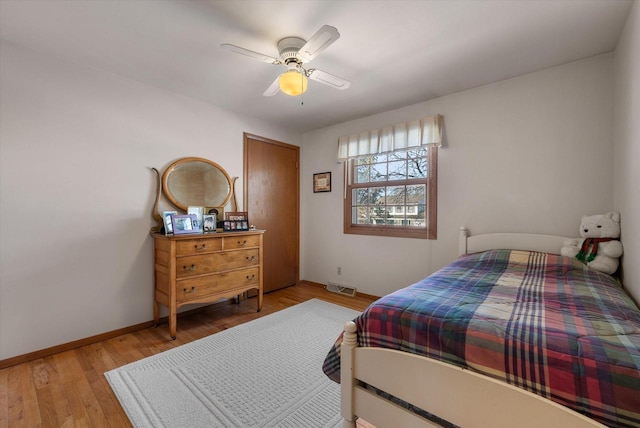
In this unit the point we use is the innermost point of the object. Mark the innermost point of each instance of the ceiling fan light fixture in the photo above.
(293, 82)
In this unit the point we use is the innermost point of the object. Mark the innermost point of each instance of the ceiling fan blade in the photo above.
(318, 42)
(251, 54)
(329, 79)
(273, 89)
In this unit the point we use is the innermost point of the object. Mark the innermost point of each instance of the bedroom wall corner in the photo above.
(626, 132)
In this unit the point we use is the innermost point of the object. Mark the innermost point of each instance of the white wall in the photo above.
(76, 192)
(529, 154)
(627, 147)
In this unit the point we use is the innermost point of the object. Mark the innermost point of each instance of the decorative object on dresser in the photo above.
(205, 269)
(196, 214)
(209, 223)
(168, 221)
(182, 224)
(236, 221)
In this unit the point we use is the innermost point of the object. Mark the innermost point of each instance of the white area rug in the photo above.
(265, 373)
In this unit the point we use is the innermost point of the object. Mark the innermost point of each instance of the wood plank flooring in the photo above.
(69, 389)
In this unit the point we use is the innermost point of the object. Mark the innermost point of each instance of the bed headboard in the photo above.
(514, 241)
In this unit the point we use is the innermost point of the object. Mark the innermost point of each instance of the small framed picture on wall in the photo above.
(322, 182)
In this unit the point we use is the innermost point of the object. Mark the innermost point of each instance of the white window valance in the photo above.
(421, 132)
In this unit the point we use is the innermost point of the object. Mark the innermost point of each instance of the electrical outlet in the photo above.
(339, 270)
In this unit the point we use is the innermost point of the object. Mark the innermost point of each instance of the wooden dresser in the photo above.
(205, 268)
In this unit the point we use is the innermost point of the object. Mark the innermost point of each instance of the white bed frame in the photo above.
(457, 395)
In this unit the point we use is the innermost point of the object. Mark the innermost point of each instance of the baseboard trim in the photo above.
(25, 358)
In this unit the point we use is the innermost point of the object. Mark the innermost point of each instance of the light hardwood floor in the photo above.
(69, 389)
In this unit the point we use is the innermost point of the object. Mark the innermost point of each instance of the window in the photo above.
(392, 194)
(391, 179)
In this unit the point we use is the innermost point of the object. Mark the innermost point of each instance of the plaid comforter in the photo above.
(539, 321)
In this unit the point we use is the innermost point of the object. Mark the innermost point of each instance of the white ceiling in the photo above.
(395, 53)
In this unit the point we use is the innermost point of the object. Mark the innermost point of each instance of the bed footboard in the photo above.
(461, 397)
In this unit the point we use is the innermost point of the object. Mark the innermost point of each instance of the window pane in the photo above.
(419, 152)
(397, 170)
(398, 155)
(380, 157)
(377, 214)
(366, 160)
(416, 194)
(360, 215)
(376, 196)
(396, 195)
(360, 196)
(379, 172)
(417, 168)
(418, 217)
(362, 174)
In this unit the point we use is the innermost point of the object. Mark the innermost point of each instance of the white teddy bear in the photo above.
(600, 249)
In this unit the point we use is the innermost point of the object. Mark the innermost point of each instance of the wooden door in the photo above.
(272, 199)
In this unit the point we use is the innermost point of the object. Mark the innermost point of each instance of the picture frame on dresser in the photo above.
(209, 223)
(168, 225)
(182, 225)
(196, 214)
(236, 220)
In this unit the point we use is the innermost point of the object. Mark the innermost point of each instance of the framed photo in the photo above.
(236, 220)
(236, 215)
(198, 213)
(322, 182)
(209, 223)
(182, 224)
(168, 225)
(217, 211)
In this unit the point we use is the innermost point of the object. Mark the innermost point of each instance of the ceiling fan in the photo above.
(293, 52)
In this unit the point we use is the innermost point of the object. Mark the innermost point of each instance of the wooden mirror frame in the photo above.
(163, 187)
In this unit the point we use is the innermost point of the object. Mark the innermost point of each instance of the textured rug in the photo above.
(265, 373)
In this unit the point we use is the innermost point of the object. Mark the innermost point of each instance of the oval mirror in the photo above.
(197, 182)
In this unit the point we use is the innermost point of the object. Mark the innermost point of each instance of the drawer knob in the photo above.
(243, 243)
(249, 278)
(188, 269)
(202, 247)
(187, 291)
(250, 259)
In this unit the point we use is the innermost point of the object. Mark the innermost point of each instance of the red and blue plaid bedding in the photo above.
(542, 322)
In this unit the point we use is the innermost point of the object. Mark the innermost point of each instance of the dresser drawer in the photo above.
(195, 288)
(216, 262)
(241, 241)
(198, 246)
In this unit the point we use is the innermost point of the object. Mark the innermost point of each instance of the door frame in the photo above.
(245, 192)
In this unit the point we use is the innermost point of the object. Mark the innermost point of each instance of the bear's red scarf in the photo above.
(585, 255)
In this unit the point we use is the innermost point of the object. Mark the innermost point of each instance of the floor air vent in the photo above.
(336, 287)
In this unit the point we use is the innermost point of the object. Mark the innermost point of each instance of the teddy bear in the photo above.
(600, 249)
